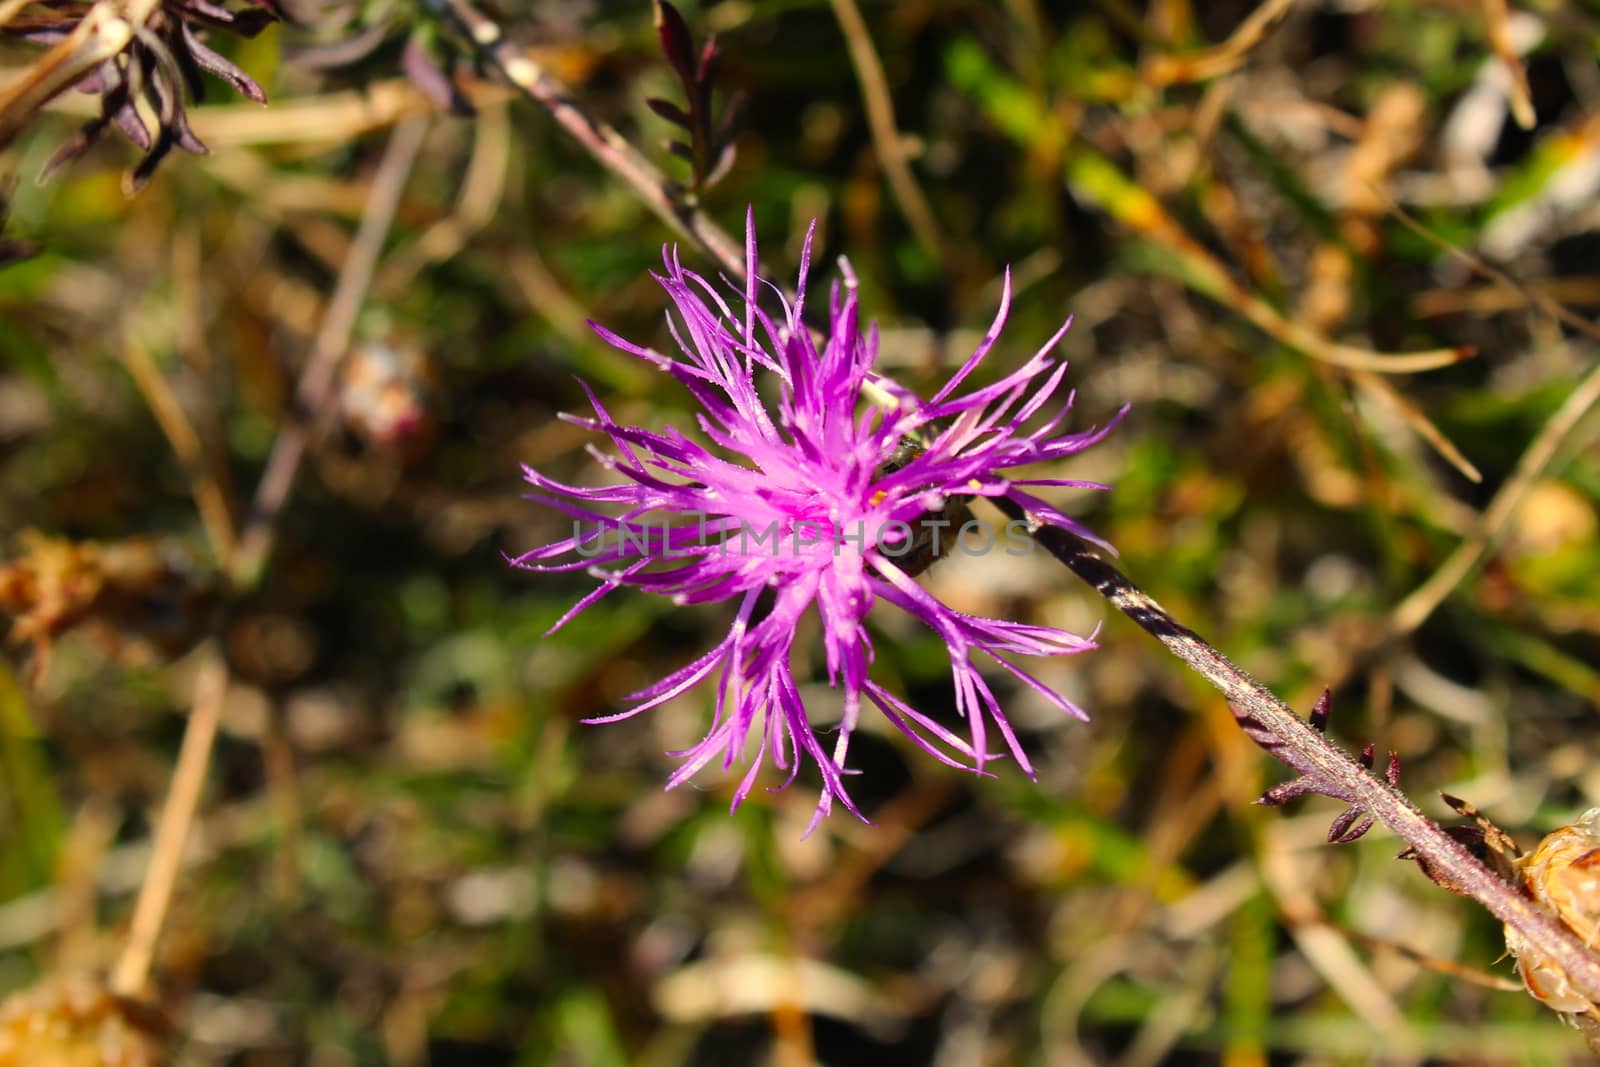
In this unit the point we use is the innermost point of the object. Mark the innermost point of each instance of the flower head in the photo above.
(821, 500)
(162, 63)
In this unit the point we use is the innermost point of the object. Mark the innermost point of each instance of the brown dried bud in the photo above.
(77, 1022)
(1563, 874)
(386, 395)
(144, 597)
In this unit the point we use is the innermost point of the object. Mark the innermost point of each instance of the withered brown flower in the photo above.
(162, 65)
(1563, 874)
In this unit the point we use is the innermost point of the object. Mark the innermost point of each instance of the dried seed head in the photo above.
(386, 395)
(1563, 874)
(142, 597)
(77, 1022)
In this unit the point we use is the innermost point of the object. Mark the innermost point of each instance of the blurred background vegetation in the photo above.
(410, 852)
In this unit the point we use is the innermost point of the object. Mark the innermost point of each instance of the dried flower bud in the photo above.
(1563, 874)
(386, 398)
(142, 596)
(77, 1022)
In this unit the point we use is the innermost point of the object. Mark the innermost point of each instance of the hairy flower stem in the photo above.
(1375, 796)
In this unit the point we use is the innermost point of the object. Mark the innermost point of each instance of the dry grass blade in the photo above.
(203, 484)
(482, 188)
(133, 966)
(886, 138)
(1411, 612)
(10, 9)
(1499, 17)
(1414, 610)
(329, 118)
(1419, 423)
(1285, 874)
(313, 394)
(1491, 299)
(1542, 296)
(1096, 178)
(132, 969)
(1449, 968)
(1220, 59)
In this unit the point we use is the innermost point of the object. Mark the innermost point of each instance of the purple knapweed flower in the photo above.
(822, 500)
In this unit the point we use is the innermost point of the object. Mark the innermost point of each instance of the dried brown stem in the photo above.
(203, 484)
(313, 398)
(1497, 14)
(1220, 59)
(886, 137)
(1414, 610)
(315, 390)
(132, 969)
(1372, 794)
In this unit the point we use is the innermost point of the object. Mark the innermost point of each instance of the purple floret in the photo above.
(813, 502)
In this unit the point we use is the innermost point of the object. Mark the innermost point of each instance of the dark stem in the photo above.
(1372, 794)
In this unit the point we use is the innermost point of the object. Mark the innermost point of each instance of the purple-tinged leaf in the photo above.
(221, 67)
(1321, 710)
(185, 137)
(676, 41)
(723, 165)
(669, 111)
(1348, 825)
(126, 116)
(71, 148)
(1293, 789)
(137, 178)
(705, 71)
(731, 111)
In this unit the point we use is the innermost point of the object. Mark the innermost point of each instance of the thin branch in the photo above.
(1414, 610)
(204, 486)
(313, 396)
(1498, 15)
(1487, 532)
(1219, 59)
(886, 137)
(1310, 748)
(669, 200)
(314, 393)
(1538, 294)
(132, 968)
